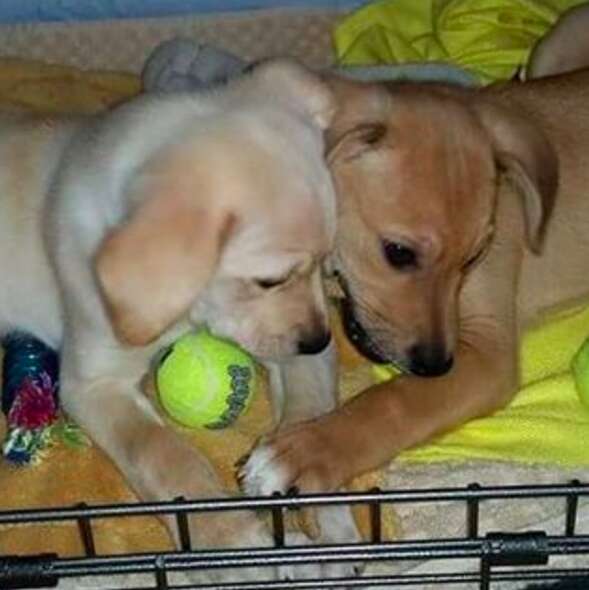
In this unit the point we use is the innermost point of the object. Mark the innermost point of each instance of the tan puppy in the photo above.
(118, 232)
(463, 217)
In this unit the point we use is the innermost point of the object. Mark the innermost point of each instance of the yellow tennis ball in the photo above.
(205, 381)
(580, 367)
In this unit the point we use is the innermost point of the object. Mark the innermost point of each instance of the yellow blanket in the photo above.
(39, 87)
(546, 422)
(490, 38)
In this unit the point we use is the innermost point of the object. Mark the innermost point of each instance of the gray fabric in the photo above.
(432, 72)
(184, 64)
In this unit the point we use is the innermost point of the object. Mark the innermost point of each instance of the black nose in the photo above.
(315, 344)
(429, 361)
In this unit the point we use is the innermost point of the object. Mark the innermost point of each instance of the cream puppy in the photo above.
(119, 231)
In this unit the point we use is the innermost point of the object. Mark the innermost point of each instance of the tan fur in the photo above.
(498, 177)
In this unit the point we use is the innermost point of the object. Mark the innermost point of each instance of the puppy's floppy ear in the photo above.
(153, 266)
(362, 122)
(528, 159)
(354, 142)
(301, 88)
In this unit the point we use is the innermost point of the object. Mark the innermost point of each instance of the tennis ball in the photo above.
(580, 367)
(205, 381)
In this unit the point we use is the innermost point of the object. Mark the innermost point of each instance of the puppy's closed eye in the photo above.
(267, 284)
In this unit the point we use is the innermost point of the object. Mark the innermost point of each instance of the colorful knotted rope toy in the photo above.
(30, 399)
(29, 395)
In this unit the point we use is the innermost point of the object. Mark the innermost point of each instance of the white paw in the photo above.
(262, 474)
(299, 572)
(315, 570)
(338, 527)
(348, 569)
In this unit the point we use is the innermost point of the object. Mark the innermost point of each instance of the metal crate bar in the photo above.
(496, 552)
(261, 503)
(271, 556)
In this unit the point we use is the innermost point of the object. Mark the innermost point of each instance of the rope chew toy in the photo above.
(29, 396)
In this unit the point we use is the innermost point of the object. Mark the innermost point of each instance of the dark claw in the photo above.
(242, 461)
(239, 476)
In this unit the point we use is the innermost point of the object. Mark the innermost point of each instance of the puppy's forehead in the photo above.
(270, 157)
(274, 246)
(440, 170)
(286, 179)
(300, 171)
(295, 202)
(296, 229)
(275, 184)
(285, 215)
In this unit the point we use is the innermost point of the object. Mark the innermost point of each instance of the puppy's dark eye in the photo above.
(399, 256)
(269, 283)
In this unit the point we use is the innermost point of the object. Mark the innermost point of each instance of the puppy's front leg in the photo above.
(323, 454)
(369, 430)
(303, 388)
(157, 462)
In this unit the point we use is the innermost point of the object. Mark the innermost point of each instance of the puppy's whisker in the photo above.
(472, 327)
(369, 310)
(476, 323)
(378, 336)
